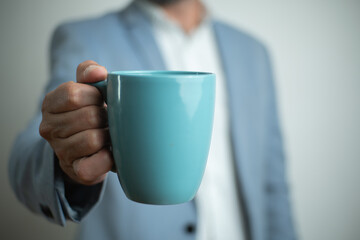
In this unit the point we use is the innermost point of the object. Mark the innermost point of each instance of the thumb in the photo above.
(89, 71)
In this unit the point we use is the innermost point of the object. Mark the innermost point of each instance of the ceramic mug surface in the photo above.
(160, 126)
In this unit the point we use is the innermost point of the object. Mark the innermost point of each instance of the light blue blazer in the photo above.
(124, 41)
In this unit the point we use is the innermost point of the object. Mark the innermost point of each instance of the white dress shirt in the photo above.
(218, 206)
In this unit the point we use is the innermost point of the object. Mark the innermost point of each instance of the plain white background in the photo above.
(315, 47)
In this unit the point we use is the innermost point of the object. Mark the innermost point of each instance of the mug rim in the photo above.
(159, 73)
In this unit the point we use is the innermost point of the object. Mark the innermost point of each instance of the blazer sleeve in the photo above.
(277, 197)
(34, 172)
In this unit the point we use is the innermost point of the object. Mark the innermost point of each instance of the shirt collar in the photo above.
(159, 18)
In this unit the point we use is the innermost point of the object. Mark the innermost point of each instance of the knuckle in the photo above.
(59, 132)
(93, 117)
(44, 130)
(94, 140)
(64, 86)
(72, 94)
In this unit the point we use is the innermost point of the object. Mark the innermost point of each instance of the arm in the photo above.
(34, 169)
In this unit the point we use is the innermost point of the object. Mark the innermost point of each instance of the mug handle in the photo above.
(102, 87)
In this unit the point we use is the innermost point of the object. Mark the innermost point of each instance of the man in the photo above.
(68, 176)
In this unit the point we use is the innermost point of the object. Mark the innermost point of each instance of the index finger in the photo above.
(70, 96)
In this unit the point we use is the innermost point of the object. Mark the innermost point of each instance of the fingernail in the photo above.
(89, 69)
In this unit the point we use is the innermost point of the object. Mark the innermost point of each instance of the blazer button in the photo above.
(46, 211)
(190, 228)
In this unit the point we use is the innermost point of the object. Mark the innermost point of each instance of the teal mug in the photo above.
(160, 127)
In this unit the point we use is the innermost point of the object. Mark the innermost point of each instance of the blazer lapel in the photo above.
(233, 63)
(142, 39)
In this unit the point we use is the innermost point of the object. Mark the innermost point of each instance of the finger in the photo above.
(90, 71)
(93, 169)
(71, 96)
(82, 144)
(69, 123)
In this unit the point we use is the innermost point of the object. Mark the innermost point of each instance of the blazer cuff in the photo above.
(74, 200)
(49, 200)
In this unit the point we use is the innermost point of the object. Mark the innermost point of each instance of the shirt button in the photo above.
(190, 228)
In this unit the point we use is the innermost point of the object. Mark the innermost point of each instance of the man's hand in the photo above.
(74, 122)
